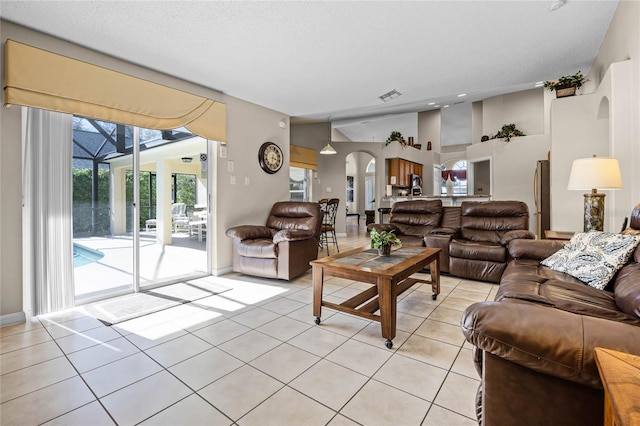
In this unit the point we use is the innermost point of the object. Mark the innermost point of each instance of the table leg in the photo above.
(387, 296)
(318, 277)
(434, 267)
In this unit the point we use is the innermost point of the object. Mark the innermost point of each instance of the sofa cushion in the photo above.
(530, 270)
(415, 230)
(593, 257)
(567, 296)
(478, 250)
(261, 248)
(411, 240)
(489, 221)
(417, 213)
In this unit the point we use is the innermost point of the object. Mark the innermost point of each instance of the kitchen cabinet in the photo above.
(399, 171)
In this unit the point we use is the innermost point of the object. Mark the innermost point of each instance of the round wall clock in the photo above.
(270, 157)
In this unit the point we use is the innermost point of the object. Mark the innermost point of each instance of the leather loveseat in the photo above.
(283, 247)
(473, 238)
(534, 345)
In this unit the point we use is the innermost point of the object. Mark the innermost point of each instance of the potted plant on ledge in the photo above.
(396, 136)
(507, 132)
(383, 241)
(566, 85)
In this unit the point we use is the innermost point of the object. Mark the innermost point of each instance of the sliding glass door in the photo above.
(173, 228)
(102, 242)
(164, 173)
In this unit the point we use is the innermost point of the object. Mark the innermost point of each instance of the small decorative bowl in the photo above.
(417, 146)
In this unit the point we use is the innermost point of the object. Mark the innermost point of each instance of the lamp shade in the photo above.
(328, 149)
(595, 173)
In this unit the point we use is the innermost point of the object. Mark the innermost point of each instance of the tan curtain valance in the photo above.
(303, 157)
(41, 79)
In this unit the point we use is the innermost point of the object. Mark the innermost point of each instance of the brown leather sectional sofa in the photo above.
(473, 237)
(534, 345)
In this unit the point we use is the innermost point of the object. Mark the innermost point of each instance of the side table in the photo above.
(558, 235)
(620, 375)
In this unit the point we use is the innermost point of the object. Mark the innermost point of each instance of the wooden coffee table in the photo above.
(388, 274)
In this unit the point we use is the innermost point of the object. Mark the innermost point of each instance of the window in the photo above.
(371, 167)
(299, 184)
(458, 175)
(349, 189)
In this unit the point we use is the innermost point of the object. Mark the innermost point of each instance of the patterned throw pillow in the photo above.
(593, 257)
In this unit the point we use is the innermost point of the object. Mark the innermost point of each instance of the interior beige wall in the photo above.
(622, 43)
(10, 212)
(429, 129)
(575, 134)
(476, 122)
(248, 126)
(524, 109)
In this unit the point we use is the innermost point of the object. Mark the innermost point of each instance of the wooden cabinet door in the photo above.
(393, 169)
(402, 170)
(404, 174)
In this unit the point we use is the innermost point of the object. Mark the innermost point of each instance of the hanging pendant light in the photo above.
(328, 149)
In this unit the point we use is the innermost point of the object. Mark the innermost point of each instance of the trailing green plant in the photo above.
(576, 80)
(507, 132)
(397, 137)
(383, 238)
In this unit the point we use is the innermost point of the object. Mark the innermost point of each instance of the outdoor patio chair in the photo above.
(179, 218)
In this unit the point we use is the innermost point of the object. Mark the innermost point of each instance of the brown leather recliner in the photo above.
(412, 220)
(283, 247)
(486, 228)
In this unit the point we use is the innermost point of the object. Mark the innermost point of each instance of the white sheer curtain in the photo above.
(47, 210)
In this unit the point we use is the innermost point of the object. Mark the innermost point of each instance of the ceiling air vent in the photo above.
(389, 95)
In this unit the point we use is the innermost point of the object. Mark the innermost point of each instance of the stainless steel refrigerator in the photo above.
(542, 196)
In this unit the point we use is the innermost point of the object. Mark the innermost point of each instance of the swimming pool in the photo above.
(84, 255)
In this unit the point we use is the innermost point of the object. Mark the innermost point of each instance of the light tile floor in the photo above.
(249, 356)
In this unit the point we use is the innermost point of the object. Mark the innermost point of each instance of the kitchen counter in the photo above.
(453, 200)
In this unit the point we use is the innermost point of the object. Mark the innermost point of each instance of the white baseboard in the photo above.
(15, 318)
(223, 271)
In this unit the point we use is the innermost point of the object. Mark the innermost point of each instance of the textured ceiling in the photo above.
(315, 60)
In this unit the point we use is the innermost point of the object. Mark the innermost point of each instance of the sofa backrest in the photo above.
(626, 286)
(489, 221)
(295, 215)
(450, 217)
(417, 212)
(416, 217)
(634, 223)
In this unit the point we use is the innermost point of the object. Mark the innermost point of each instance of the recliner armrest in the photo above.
(249, 232)
(545, 339)
(292, 235)
(444, 231)
(516, 234)
(534, 249)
